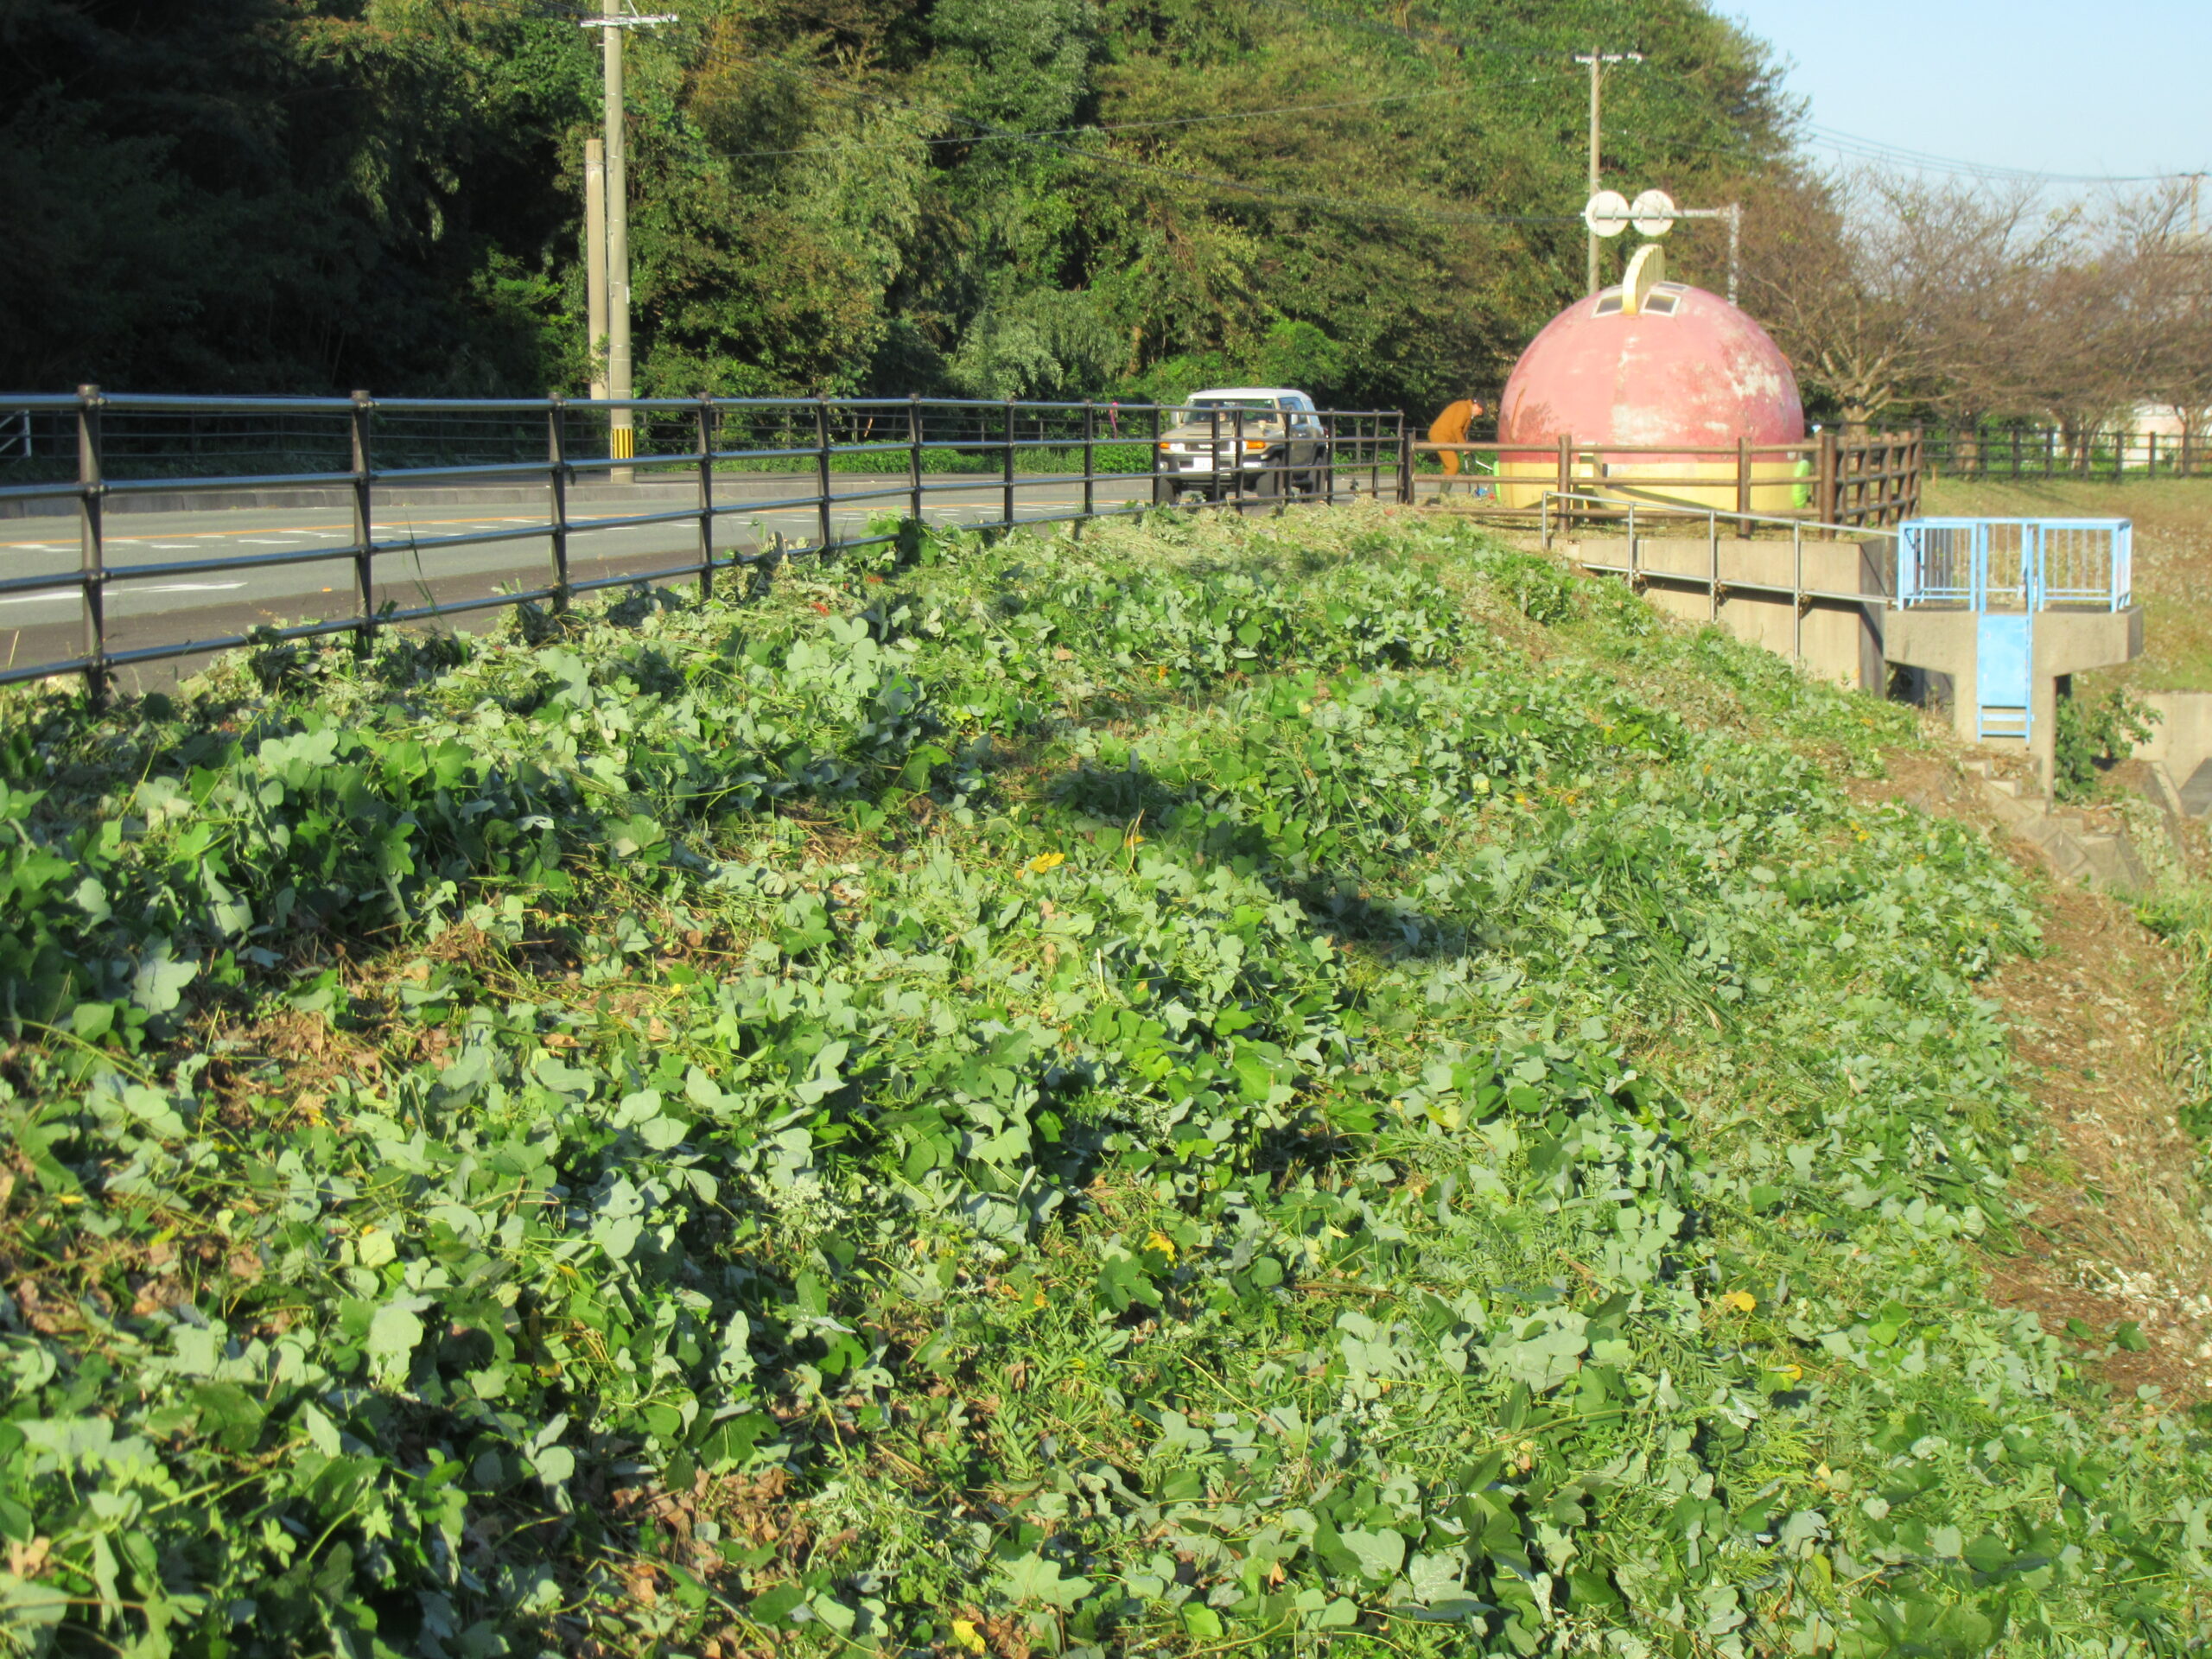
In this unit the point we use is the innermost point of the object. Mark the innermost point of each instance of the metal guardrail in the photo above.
(716, 444)
(1562, 507)
(2025, 564)
(2027, 450)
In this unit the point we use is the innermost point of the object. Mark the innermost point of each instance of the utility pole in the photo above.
(1598, 60)
(595, 259)
(616, 16)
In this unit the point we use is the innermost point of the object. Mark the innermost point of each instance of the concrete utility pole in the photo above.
(616, 16)
(1598, 60)
(595, 259)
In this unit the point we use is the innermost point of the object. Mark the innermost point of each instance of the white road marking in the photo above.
(191, 587)
(42, 599)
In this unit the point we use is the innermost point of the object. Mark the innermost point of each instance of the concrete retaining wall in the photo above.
(2182, 740)
(1835, 639)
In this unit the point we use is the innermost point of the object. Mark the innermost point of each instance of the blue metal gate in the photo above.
(2005, 648)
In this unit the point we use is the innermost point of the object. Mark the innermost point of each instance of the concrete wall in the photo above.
(2066, 642)
(2182, 737)
(1835, 639)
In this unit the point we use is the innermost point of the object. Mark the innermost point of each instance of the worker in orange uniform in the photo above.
(1452, 427)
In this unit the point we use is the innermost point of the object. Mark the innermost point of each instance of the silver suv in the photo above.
(1269, 436)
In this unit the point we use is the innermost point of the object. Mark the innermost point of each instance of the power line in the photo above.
(1880, 149)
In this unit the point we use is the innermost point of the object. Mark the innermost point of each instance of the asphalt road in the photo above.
(160, 606)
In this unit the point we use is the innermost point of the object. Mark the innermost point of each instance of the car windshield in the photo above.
(1203, 404)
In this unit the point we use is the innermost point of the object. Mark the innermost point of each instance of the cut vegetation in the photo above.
(1271, 1085)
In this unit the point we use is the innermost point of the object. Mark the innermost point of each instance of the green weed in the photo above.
(1171, 1090)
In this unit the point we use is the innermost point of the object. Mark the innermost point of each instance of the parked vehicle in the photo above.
(1269, 437)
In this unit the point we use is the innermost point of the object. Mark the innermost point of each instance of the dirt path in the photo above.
(2117, 1232)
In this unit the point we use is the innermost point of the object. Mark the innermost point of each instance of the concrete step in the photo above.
(2114, 865)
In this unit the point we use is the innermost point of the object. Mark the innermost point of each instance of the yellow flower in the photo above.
(1043, 862)
(1794, 1372)
(1159, 1241)
(1742, 1300)
(966, 1638)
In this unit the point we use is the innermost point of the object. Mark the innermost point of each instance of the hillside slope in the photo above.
(1253, 1083)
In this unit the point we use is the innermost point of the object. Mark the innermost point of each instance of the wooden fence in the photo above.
(1872, 481)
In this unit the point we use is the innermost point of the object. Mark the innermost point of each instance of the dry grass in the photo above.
(2113, 1232)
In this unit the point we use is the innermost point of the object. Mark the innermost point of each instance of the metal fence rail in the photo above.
(889, 457)
(2023, 449)
(1562, 509)
(2016, 564)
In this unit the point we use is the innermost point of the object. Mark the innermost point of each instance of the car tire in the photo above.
(1271, 483)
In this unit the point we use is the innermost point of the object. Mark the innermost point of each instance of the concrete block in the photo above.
(2114, 865)
(2181, 739)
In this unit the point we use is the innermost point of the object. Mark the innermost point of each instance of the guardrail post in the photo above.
(1328, 464)
(365, 575)
(1005, 477)
(1744, 486)
(92, 487)
(1797, 594)
(914, 451)
(1237, 459)
(822, 468)
(556, 471)
(1566, 478)
(1405, 461)
(1712, 551)
(1824, 491)
(1152, 445)
(706, 496)
(1089, 460)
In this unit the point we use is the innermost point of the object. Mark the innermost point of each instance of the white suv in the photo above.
(1271, 435)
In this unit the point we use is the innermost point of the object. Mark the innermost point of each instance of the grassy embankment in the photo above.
(1227, 1083)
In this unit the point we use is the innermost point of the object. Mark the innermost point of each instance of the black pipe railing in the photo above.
(193, 454)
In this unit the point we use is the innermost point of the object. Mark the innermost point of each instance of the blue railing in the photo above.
(2016, 564)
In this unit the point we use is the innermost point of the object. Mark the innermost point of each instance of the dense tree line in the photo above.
(1030, 198)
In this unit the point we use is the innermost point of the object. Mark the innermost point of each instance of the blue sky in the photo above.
(2097, 86)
